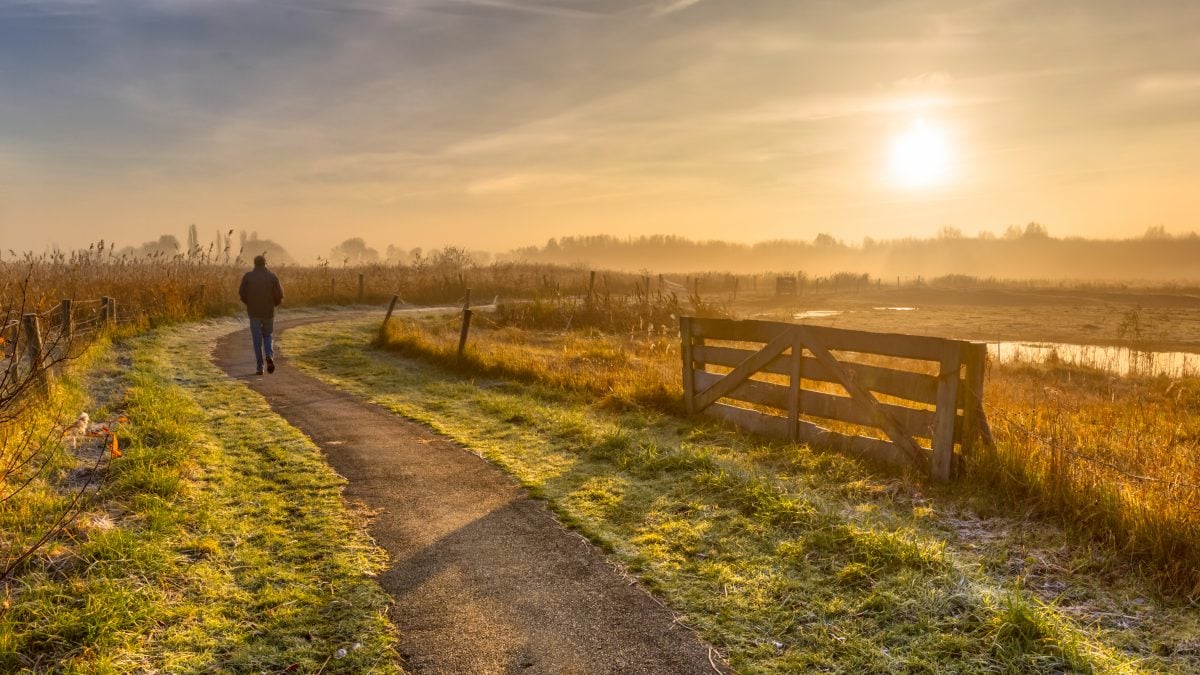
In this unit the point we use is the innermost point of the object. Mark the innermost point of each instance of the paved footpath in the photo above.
(485, 580)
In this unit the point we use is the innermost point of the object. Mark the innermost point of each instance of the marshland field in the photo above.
(1069, 544)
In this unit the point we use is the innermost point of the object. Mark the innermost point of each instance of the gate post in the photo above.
(689, 374)
(973, 414)
(946, 415)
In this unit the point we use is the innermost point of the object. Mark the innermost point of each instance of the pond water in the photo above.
(1116, 360)
(825, 313)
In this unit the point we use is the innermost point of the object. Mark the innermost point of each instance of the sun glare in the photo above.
(920, 156)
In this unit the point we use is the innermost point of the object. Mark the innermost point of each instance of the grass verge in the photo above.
(219, 541)
(785, 558)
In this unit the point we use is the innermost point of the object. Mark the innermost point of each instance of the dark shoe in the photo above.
(258, 372)
(270, 365)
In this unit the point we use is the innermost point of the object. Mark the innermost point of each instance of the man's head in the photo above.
(260, 261)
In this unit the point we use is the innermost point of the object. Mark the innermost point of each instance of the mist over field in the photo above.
(1021, 253)
(1028, 252)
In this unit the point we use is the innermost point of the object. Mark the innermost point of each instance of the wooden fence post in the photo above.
(974, 417)
(689, 374)
(942, 458)
(67, 328)
(466, 325)
(391, 308)
(361, 278)
(108, 311)
(386, 318)
(200, 297)
(34, 349)
(591, 289)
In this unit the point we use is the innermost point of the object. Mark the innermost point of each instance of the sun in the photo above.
(920, 156)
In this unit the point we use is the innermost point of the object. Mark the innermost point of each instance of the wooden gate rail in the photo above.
(802, 352)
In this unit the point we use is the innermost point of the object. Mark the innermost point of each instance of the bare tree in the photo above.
(354, 251)
(451, 259)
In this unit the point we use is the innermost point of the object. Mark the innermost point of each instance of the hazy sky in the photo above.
(497, 123)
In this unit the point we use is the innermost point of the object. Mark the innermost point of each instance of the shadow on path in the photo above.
(484, 579)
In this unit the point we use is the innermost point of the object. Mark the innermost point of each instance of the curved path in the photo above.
(485, 580)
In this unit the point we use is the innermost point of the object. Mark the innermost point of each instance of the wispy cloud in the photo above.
(811, 109)
(518, 182)
(552, 9)
(17, 9)
(674, 6)
(924, 81)
(1172, 83)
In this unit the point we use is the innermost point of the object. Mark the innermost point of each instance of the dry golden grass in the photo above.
(1115, 458)
(623, 370)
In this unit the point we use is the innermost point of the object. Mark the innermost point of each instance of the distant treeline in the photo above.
(1027, 252)
(215, 251)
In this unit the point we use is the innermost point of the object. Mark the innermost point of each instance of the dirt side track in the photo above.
(484, 578)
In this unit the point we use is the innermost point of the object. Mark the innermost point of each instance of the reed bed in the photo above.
(159, 288)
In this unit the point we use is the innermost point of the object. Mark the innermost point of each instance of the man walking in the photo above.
(261, 293)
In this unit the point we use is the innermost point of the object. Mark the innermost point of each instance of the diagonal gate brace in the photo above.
(744, 370)
(862, 396)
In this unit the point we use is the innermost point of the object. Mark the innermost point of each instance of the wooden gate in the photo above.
(942, 403)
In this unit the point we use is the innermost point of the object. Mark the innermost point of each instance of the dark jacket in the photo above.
(261, 292)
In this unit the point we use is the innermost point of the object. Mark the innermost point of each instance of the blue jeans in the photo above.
(260, 333)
